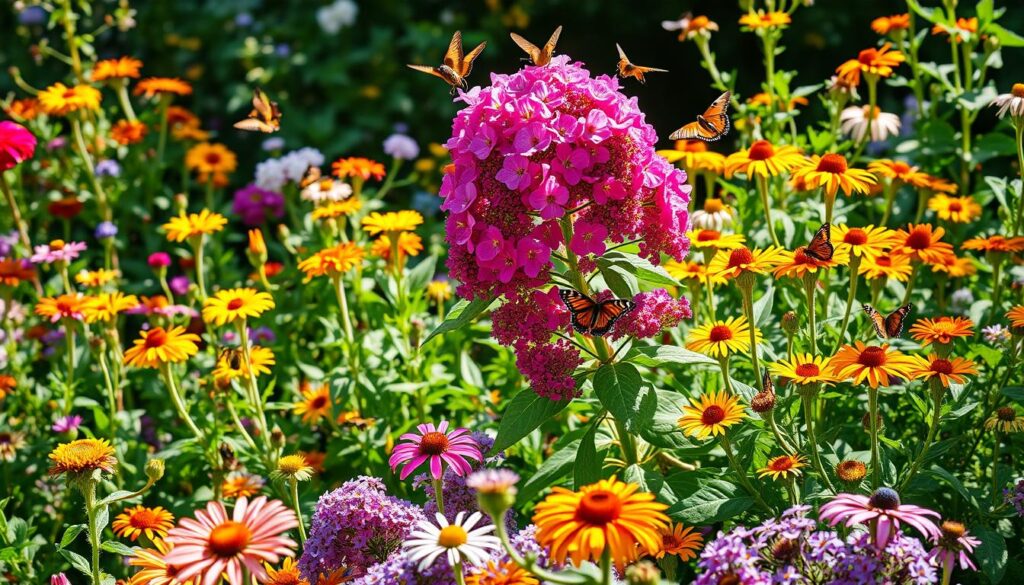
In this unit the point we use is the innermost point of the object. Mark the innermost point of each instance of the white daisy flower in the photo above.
(1012, 102)
(459, 541)
(854, 122)
(327, 190)
(715, 215)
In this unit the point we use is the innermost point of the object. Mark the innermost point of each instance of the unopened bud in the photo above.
(790, 323)
(257, 248)
(180, 202)
(763, 401)
(155, 469)
(643, 573)
(277, 437)
(865, 422)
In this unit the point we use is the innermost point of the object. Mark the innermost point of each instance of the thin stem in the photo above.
(460, 579)
(179, 404)
(1018, 127)
(807, 397)
(68, 21)
(69, 385)
(439, 494)
(89, 492)
(876, 462)
(626, 443)
(723, 363)
(346, 319)
(910, 283)
(933, 427)
(747, 293)
(854, 279)
(111, 394)
(254, 392)
(199, 255)
(298, 511)
(890, 198)
(606, 566)
(126, 104)
(810, 283)
(995, 468)
(769, 416)
(741, 474)
(101, 194)
(762, 189)
(19, 223)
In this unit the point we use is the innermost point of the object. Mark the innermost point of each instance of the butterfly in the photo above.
(540, 57)
(891, 326)
(766, 382)
(456, 66)
(821, 248)
(628, 69)
(590, 317)
(312, 175)
(711, 125)
(265, 115)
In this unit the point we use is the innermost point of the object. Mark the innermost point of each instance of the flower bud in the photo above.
(155, 469)
(790, 323)
(865, 422)
(277, 437)
(763, 401)
(181, 202)
(495, 490)
(851, 472)
(643, 573)
(257, 248)
(159, 261)
(59, 579)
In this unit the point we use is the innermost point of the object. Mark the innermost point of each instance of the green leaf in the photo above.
(955, 484)
(925, 13)
(102, 517)
(1006, 37)
(524, 413)
(113, 546)
(461, 314)
(554, 467)
(714, 501)
(620, 281)
(620, 389)
(587, 468)
(639, 267)
(664, 429)
(70, 534)
(656, 356)
(118, 495)
(421, 274)
(1015, 393)
(76, 560)
(991, 554)
(763, 307)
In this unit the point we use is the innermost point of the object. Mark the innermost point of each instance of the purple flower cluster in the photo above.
(257, 206)
(357, 525)
(1015, 496)
(655, 311)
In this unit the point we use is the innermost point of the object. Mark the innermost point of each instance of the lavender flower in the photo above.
(105, 230)
(262, 335)
(67, 424)
(401, 147)
(108, 168)
(272, 144)
(57, 251)
(7, 243)
(996, 334)
(1015, 496)
(961, 300)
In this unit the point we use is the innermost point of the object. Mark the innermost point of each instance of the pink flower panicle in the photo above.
(655, 312)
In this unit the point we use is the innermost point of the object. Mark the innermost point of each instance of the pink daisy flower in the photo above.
(214, 543)
(883, 510)
(439, 447)
(955, 543)
(57, 250)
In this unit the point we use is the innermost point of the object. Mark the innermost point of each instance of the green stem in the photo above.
(460, 578)
(626, 442)
(890, 199)
(111, 394)
(298, 511)
(910, 283)
(390, 180)
(933, 428)
(179, 404)
(810, 283)
(769, 416)
(807, 397)
(439, 494)
(747, 294)
(723, 363)
(741, 474)
(762, 189)
(126, 103)
(995, 469)
(199, 255)
(89, 492)
(254, 392)
(83, 151)
(69, 345)
(1018, 128)
(850, 298)
(161, 145)
(876, 461)
(19, 223)
(346, 319)
(68, 21)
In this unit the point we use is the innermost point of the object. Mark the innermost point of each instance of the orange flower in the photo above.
(13, 272)
(962, 31)
(883, 25)
(831, 173)
(898, 170)
(797, 263)
(877, 365)
(679, 540)
(995, 243)
(153, 86)
(956, 209)
(942, 330)
(211, 160)
(922, 242)
(942, 369)
(121, 68)
(1016, 316)
(23, 110)
(955, 266)
(698, 25)
(362, 168)
(761, 19)
(66, 306)
(876, 62)
(409, 244)
(126, 132)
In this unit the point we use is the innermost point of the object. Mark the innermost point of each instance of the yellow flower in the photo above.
(720, 338)
(956, 209)
(95, 278)
(211, 161)
(609, 514)
(797, 263)
(239, 484)
(262, 358)
(712, 415)
(505, 573)
(763, 160)
(237, 304)
(391, 222)
(1006, 420)
(66, 306)
(158, 346)
(728, 264)
(61, 100)
(868, 242)
(804, 369)
(153, 86)
(942, 330)
(945, 370)
(332, 261)
(184, 226)
(886, 265)
(83, 456)
(922, 242)
(681, 541)
(121, 68)
(293, 467)
(761, 19)
(695, 157)
(832, 174)
(784, 466)
(107, 306)
(287, 574)
(876, 62)
(409, 244)
(899, 171)
(316, 403)
(877, 365)
(715, 239)
(337, 209)
(153, 523)
(439, 291)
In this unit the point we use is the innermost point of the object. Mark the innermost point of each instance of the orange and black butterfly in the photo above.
(888, 327)
(710, 126)
(456, 66)
(628, 69)
(821, 248)
(312, 175)
(766, 382)
(265, 115)
(539, 56)
(590, 317)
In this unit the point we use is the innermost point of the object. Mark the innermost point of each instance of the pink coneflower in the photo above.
(954, 543)
(437, 445)
(884, 511)
(57, 250)
(214, 543)
(66, 424)
(17, 144)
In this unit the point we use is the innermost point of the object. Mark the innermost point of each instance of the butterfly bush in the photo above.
(545, 155)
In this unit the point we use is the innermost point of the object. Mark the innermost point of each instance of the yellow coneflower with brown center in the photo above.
(798, 263)
(832, 173)
(694, 156)
(1005, 419)
(336, 209)
(943, 369)
(730, 264)
(761, 20)
(82, 456)
(803, 369)
(158, 346)
(763, 159)
(955, 209)
(714, 239)
(678, 540)
(211, 162)
(61, 100)
(391, 222)
(711, 415)
(95, 278)
(315, 404)
(885, 266)
(333, 261)
(862, 241)
(720, 338)
(875, 365)
(153, 523)
(784, 466)
(955, 266)
(105, 307)
(922, 242)
(236, 305)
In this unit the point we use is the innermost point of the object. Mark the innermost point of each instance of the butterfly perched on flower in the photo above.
(265, 115)
(889, 326)
(312, 175)
(456, 66)
(628, 69)
(539, 56)
(820, 248)
(590, 317)
(710, 126)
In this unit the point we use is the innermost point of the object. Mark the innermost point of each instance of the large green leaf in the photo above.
(587, 468)
(620, 389)
(553, 468)
(714, 501)
(991, 554)
(664, 429)
(639, 267)
(524, 413)
(461, 315)
(656, 356)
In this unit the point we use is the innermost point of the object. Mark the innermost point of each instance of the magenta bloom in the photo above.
(883, 510)
(655, 312)
(954, 544)
(438, 446)
(159, 260)
(588, 239)
(66, 424)
(57, 251)
(59, 579)
(17, 145)
(257, 206)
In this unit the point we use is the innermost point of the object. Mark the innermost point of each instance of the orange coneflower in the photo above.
(1016, 316)
(763, 159)
(922, 242)
(877, 62)
(609, 514)
(804, 369)
(897, 170)
(66, 306)
(720, 338)
(211, 161)
(239, 484)
(942, 330)
(784, 466)
(61, 100)
(236, 305)
(868, 241)
(715, 240)
(886, 265)
(153, 523)
(995, 243)
(153, 86)
(362, 168)
(711, 415)
(876, 365)
(832, 173)
(955, 266)
(961, 30)
(1006, 420)
(315, 404)
(124, 67)
(332, 261)
(761, 19)
(945, 370)
(409, 244)
(695, 157)
(797, 263)
(126, 132)
(82, 457)
(500, 573)
(13, 271)
(23, 110)
(159, 346)
(730, 264)
(681, 541)
(941, 185)
(287, 574)
(956, 209)
(185, 226)
(884, 25)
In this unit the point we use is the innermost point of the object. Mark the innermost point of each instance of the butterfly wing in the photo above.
(607, 313)
(262, 105)
(549, 47)
(466, 65)
(692, 131)
(453, 56)
(877, 321)
(894, 322)
(254, 125)
(766, 382)
(712, 125)
(311, 176)
(820, 248)
(531, 49)
(427, 69)
(582, 309)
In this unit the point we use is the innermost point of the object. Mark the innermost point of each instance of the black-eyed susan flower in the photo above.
(832, 173)
(106, 307)
(885, 266)
(922, 242)
(391, 222)
(678, 540)
(872, 364)
(95, 278)
(868, 241)
(333, 261)
(803, 369)
(316, 403)
(943, 369)
(694, 156)
(784, 466)
(878, 62)
(720, 338)
(82, 457)
(240, 484)
(1005, 419)
(714, 240)
(942, 330)
(955, 209)
(120, 68)
(133, 522)
(236, 305)
(185, 226)
(763, 159)
(61, 100)
(608, 515)
(158, 346)
(158, 86)
(897, 170)
(730, 264)
(797, 263)
(711, 415)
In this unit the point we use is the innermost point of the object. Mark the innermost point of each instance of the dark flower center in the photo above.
(941, 366)
(872, 357)
(1006, 414)
(884, 499)
(720, 333)
(740, 257)
(434, 443)
(867, 56)
(807, 370)
(156, 338)
(919, 239)
(832, 163)
(955, 206)
(599, 507)
(761, 150)
(712, 415)
(708, 235)
(856, 237)
(900, 168)
(235, 304)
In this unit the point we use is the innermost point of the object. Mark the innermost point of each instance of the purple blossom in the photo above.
(179, 285)
(105, 230)
(108, 168)
(7, 243)
(67, 424)
(1015, 496)
(256, 206)
(401, 147)
(262, 335)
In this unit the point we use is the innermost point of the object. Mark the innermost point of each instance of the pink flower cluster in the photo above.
(655, 311)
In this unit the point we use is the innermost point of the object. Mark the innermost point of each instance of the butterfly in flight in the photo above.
(710, 126)
(312, 175)
(265, 115)
(820, 248)
(456, 66)
(628, 69)
(674, 25)
(539, 56)
(888, 327)
(590, 317)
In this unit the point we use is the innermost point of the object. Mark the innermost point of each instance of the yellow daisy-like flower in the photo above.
(763, 159)
(886, 266)
(332, 261)
(715, 239)
(191, 225)
(236, 304)
(1016, 316)
(955, 266)
(439, 291)
(730, 264)
(761, 19)
(784, 466)
(694, 156)
(1006, 420)
(945, 370)
(61, 100)
(922, 242)
(832, 173)
(262, 358)
(955, 209)
(82, 456)
(409, 244)
(712, 415)
(876, 365)
(391, 222)
(158, 346)
(681, 541)
(877, 62)
(66, 306)
(95, 278)
(720, 338)
(153, 523)
(764, 100)
(803, 369)
(287, 574)
(121, 68)
(293, 467)
(942, 330)
(107, 306)
(897, 170)
(869, 241)
(608, 515)
(691, 271)
(316, 403)
(211, 162)
(505, 573)
(797, 263)
(154, 86)
(338, 209)
(239, 484)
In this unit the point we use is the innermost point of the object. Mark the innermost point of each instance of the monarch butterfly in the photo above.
(628, 69)
(265, 115)
(540, 57)
(821, 248)
(590, 317)
(891, 326)
(710, 126)
(456, 66)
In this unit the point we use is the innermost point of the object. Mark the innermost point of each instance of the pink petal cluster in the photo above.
(17, 145)
(655, 311)
(884, 510)
(436, 446)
